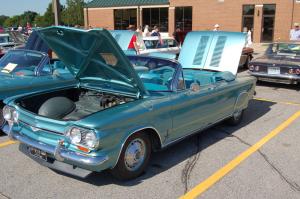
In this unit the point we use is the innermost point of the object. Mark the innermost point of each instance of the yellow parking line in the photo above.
(4, 144)
(277, 102)
(210, 181)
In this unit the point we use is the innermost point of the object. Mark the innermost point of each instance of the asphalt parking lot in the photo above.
(257, 159)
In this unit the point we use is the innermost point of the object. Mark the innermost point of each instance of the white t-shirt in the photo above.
(295, 35)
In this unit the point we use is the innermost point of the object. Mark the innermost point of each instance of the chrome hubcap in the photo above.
(135, 154)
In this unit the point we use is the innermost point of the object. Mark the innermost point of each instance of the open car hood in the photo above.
(95, 58)
(212, 50)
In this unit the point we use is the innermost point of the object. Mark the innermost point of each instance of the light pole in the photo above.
(56, 10)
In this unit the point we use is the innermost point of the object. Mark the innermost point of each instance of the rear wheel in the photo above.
(246, 65)
(236, 118)
(134, 157)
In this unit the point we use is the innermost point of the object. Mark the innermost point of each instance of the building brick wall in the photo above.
(226, 13)
(101, 18)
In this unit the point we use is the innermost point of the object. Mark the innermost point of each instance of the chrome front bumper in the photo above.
(59, 152)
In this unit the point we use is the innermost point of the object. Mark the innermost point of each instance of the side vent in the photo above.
(217, 54)
(198, 59)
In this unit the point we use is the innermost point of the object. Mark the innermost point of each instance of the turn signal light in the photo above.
(86, 150)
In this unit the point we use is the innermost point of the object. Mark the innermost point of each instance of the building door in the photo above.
(268, 21)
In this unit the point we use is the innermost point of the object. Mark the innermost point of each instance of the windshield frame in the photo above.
(177, 71)
(271, 51)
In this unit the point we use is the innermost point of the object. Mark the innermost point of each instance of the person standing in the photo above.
(155, 32)
(133, 45)
(217, 27)
(295, 33)
(176, 35)
(146, 32)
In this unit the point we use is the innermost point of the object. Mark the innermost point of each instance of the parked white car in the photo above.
(159, 45)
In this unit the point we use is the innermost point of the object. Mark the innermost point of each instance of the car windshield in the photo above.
(4, 39)
(151, 44)
(157, 75)
(285, 49)
(21, 63)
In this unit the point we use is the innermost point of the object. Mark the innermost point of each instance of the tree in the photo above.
(3, 18)
(27, 16)
(73, 14)
(12, 21)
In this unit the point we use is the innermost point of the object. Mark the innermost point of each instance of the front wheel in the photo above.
(2, 121)
(236, 118)
(134, 157)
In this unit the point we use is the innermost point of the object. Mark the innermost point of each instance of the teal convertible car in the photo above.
(122, 108)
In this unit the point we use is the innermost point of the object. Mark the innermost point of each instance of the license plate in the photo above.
(274, 70)
(37, 153)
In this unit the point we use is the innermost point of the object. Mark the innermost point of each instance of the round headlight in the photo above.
(91, 140)
(7, 113)
(75, 135)
(15, 116)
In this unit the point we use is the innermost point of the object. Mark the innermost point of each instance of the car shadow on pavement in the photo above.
(276, 86)
(188, 149)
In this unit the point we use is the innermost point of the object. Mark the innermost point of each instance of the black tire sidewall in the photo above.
(235, 121)
(120, 171)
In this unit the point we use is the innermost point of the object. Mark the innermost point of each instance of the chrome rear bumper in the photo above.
(280, 78)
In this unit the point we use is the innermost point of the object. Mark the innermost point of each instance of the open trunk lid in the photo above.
(212, 50)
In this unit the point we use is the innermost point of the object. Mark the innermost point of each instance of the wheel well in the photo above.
(154, 137)
(1, 104)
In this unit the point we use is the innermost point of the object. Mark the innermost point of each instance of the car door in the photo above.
(193, 110)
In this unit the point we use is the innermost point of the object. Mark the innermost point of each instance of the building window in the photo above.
(156, 17)
(124, 17)
(183, 18)
(248, 17)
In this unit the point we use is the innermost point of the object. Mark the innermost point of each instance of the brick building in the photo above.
(268, 19)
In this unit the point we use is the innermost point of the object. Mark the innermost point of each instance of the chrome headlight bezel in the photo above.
(88, 137)
(10, 114)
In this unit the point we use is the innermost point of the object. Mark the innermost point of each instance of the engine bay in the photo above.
(71, 104)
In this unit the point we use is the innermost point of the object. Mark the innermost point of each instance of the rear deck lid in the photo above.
(212, 50)
(95, 58)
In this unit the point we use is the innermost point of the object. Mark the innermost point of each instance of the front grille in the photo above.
(33, 128)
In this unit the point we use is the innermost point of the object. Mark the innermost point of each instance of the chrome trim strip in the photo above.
(42, 129)
(62, 152)
(195, 132)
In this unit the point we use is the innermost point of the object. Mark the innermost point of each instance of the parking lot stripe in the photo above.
(210, 181)
(277, 102)
(4, 144)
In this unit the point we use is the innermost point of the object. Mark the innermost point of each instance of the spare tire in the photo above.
(57, 107)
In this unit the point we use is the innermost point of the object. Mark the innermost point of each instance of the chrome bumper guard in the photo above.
(59, 152)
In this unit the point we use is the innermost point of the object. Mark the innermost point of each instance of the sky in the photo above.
(17, 7)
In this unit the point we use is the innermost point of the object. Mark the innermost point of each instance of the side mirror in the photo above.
(224, 76)
(195, 87)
